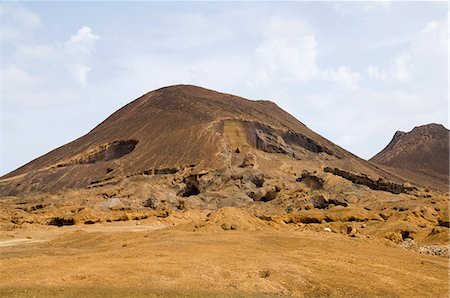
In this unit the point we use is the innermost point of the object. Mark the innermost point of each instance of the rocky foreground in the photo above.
(242, 233)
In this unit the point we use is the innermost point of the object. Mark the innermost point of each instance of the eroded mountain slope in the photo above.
(174, 128)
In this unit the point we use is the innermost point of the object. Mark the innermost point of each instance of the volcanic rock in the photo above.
(424, 150)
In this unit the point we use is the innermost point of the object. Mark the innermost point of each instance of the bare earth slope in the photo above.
(424, 151)
(173, 128)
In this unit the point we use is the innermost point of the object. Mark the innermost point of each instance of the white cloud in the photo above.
(79, 72)
(35, 52)
(390, 42)
(429, 50)
(217, 72)
(344, 77)
(18, 22)
(83, 42)
(425, 57)
(33, 70)
(285, 28)
(400, 69)
(289, 59)
(375, 73)
(79, 48)
(288, 52)
(27, 59)
(186, 30)
(15, 78)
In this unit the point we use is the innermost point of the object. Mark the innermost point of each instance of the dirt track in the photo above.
(124, 261)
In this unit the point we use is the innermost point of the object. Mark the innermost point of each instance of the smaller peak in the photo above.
(399, 134)
(430, 127)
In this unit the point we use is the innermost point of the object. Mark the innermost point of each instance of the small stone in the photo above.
(327, 230)
(151, 203)
(351, 231)
(249, 161)
(308, 206)
(264, 273)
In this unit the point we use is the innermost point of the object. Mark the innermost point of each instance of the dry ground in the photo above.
(147, 260)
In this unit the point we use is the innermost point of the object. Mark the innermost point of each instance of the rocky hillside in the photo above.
(177, 128)
(424, 150)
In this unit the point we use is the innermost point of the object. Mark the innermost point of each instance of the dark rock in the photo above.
(362, 179)
(311, 180)
(319, 202)
(351, 231)
(61, 221)
(338, 202)
(406, 235)
(257, 180)
(192, 187)
(270, 195)
(264, 196)
(444, 223)
(254, 196)
(151, 203)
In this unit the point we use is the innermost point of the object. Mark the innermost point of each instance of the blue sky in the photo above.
(355, 72)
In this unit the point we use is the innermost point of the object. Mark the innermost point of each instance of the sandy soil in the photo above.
(147, 260)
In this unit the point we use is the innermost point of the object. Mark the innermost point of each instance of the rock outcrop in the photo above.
(424, 150)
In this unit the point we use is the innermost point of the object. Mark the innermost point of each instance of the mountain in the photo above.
(186, 173)
(424, 151)
(184, 128)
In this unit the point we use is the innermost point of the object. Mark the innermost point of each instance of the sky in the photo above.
(354, 72)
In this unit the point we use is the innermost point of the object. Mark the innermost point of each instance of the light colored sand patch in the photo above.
(116, 228)
(21, 241)
(49, 235)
